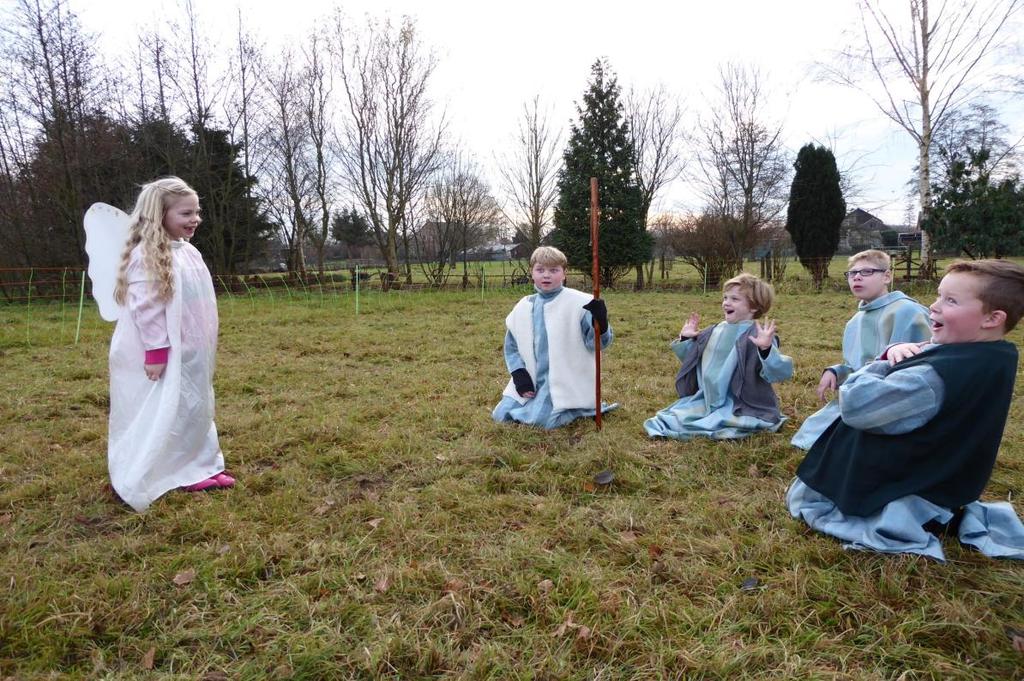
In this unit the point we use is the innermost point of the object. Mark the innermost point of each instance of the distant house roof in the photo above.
(861, 218)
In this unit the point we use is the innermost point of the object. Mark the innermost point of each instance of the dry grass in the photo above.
(384, 527)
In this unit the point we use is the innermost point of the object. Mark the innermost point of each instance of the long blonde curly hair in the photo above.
(147, 228)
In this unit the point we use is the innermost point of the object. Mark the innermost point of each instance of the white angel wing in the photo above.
(106, 232)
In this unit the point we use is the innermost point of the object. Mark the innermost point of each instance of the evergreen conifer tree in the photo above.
(600, 147)
(816, 209)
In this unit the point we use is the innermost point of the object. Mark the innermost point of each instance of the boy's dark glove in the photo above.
(523, 382)
(600, 312)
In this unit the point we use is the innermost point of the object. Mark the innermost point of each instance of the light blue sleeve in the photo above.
(842, 371)
(681, 347)
(513, 360)
(776, 367)
(587, 328)
(878, 400)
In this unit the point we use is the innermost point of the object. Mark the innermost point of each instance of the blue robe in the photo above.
(908, 400)
(709, 411)
(539, 411)
(888, 319)
(991, 527)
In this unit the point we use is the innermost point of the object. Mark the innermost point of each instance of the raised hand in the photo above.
(692, 327)
(765, 334)
(827, 385)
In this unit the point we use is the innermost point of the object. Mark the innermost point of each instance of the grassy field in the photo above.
(384, 527)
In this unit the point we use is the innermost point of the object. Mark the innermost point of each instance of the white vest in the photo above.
(570, 364)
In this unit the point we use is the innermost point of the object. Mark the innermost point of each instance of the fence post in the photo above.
(273, 298)
(28, 317)
(81, 303)
(63, 293)
(248, 290)
(357, 290)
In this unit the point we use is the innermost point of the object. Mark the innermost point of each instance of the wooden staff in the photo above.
(596, 276)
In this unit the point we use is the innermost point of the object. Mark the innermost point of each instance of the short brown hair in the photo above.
(758, 292)
(548, 256)
(1002, 286)
(876, 256)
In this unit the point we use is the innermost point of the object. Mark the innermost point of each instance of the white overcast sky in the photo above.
(494, 56)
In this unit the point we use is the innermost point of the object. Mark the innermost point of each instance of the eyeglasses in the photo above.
(863, 274)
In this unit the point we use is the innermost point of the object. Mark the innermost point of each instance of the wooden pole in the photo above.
(596, 277)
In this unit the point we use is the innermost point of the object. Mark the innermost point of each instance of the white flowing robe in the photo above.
(162, 433)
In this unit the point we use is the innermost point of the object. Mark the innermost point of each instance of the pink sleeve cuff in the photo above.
(158, 356)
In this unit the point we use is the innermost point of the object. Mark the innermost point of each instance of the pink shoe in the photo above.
(224, 480)
(202, 485)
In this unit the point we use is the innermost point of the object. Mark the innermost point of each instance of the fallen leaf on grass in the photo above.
(589, 487)
(453, 585)
(184, 577)
(1016, 637)
(149, 658)
(565, 626)
(224, 549)
(215, 676)
(545, 586)
(6, 518)
(382, 584)
(629, 536)
(359, 577)
(324, 507)
(441, 457)
(374, 522)
(754, 471)
(654, 550)
(583, 632)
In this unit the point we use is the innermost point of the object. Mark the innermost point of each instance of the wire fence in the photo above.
(54, 304)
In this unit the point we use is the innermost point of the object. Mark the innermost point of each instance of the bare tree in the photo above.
(197, 90)
(705, 242)
(389, 145)
(655, 122)
(530, 174)
(318, 88)
(244, 110)
(54, 80)
(462, 202)
(923, 70)
(742, 161)
(290, 182)
(976, 127)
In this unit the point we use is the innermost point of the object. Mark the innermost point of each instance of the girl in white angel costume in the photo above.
(162, 434)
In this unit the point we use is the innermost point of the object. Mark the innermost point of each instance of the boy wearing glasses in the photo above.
(882, 318)
(920, 430)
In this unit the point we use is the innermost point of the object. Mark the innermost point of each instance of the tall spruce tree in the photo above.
(599, 146)
(816, 209)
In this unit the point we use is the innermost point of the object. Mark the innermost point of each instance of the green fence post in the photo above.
(273, 298)
(28, 316)
(248, 290)
(63, 292)
(81, 303)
